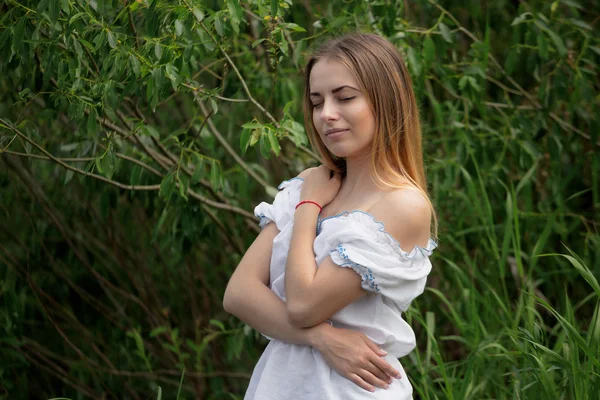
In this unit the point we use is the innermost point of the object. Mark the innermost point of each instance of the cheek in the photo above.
(363, 117)
(315, 121)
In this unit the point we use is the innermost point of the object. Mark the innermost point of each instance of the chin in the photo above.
(338, 152)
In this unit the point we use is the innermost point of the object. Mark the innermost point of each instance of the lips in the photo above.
(330, 131)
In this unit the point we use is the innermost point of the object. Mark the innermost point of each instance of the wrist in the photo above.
(307, 210)
(317, 335)
(309, 204)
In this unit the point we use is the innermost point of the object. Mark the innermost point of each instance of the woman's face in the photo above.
(339, 105)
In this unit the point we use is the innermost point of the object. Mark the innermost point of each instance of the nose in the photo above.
(329, 111)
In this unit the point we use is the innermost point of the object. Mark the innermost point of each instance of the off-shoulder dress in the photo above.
(392, 277)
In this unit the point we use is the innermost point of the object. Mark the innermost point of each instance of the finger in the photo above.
(368, 377)
(378, 372)
(373, 346)
(360, 382)
(386, 367)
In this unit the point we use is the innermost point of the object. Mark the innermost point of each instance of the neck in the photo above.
(358, 177)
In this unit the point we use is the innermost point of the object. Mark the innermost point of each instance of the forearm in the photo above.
(266, 312)
(301, 267)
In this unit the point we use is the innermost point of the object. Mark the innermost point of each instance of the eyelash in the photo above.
(344, 99)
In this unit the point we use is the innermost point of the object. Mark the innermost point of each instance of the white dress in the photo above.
(392, 277)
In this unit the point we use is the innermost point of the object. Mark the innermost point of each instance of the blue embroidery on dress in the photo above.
(426, 251)
(320, 221)
(365, 272)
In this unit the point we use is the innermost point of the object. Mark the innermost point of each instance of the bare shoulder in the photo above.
(304, 173)
(406, 214)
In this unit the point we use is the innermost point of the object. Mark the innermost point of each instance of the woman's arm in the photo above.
(315, 294)
(248, 297)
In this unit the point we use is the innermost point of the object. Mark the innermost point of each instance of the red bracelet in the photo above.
(310, 201)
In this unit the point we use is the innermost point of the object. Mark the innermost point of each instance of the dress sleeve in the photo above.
(361, 243)
(281, 211)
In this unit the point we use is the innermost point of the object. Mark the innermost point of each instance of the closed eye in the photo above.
(318, 105)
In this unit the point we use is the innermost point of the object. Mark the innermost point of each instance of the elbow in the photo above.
(229, 300)
(299, 315)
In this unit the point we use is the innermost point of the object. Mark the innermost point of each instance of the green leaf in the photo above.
(274, 7)
(235, 11)
(173, 74)
(214, 106)
(283, 44)
(292, 26)
(135, 65)
(445, 31)
(66, 7)
(198, 173)
(53, 11)
(463, 82)
(112, 40)
(76, 17)
(273, 142)
(184, 184)
(159, 78)
(92, 126)
(159, 224)
(42, 6)
(265, 149)
(219, 26)
(257, 42)
(18, 32)
(557, 40)
(68, 176)
(198, 14)
(158, 51)
(179, 27)
(288, 106)
(217, 323)
(244, 139)
(152, 93)
(150, 131)
(77, 46)
(167, 186)
(158, 330)
(88, 45)
(252, 125)
(581, 24)
(296, 129)
(206, 40)
(254, 138)
(521, 18)
(428, 50)
(106, 163)
(413, 62)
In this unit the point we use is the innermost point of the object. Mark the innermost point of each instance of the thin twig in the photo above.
(230, 150)
(237, 72)
(8, 125)
(198, 89)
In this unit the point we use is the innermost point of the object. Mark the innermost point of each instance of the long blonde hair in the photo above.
(396, 151)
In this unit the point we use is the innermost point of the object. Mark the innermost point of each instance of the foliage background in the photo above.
(137, 136)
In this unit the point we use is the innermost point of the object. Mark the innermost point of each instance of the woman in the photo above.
(325, 284)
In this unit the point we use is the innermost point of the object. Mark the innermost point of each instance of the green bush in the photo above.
(137, 136)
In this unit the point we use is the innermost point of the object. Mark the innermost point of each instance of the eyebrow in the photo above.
(337, 89)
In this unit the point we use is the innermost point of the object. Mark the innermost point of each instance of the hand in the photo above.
(354, 356)
(319, 186)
